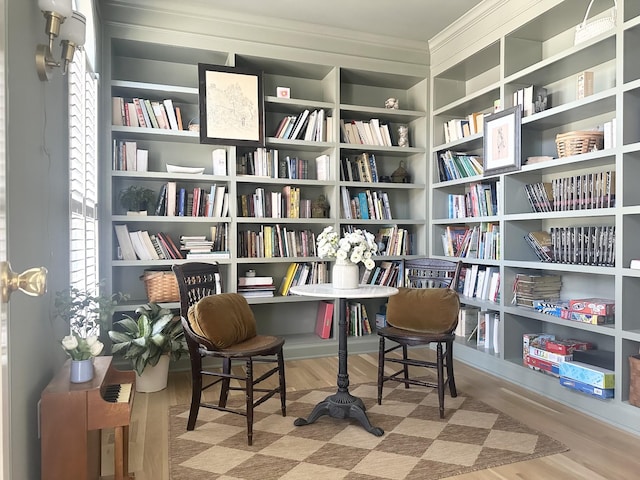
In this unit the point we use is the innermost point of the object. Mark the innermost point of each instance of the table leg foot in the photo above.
(341, 405)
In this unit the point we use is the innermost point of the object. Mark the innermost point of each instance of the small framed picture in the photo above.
(231, 106)
(283, 92)
(502, 137)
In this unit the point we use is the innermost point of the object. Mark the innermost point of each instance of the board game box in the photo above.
(567, 346)
(542, 365)
(585, 388)
(593, 306)
(589, 374)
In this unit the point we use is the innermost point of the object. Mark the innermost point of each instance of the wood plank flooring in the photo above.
(597, 451)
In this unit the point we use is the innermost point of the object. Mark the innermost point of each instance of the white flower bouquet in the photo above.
(355, 247)
(81, 348)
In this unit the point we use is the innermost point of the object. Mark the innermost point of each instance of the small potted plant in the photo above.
(149, 341)
(137, 200)
(85, 313)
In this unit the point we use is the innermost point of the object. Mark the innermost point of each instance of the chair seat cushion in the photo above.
(225, 319)
(427, 310)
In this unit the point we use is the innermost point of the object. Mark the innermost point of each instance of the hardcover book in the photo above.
(324, 319)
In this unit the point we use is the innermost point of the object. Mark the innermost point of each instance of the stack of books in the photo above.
(252, 287)
(530, 288)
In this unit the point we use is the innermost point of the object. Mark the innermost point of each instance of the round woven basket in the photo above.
(575, 143)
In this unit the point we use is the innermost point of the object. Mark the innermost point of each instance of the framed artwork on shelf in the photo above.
(231, 106)
(502, 136)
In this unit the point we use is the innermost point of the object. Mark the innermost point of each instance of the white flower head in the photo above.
(95, 348)
(70, 342)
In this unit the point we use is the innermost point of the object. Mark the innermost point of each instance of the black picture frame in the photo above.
(502, 141)
(231, 104)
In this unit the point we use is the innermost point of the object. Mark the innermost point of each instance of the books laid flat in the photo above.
(251, 281)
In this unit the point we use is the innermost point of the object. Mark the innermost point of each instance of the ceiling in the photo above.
(417, 20)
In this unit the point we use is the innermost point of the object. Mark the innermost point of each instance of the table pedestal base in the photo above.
(341, 405)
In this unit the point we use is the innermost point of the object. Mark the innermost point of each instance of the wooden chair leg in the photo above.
(406, 366)
(283, 384)
(249, 394)
(440, 367)
(450, 377)
(380, 369)
(224, 388)
(196, 393)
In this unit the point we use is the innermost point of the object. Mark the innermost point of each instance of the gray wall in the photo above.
(37, 225)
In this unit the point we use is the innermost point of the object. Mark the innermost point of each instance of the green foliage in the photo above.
(137, 199)
(143, 340)
(82, 310)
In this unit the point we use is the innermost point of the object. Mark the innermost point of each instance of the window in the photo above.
(83, 173)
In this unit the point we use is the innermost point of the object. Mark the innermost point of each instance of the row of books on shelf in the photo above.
(479, 200)
(480, 241)
(141, 112)
(365, 205)
(274, 204)
(479, 282)
(386, 273)
(361, 168)
(372, 132)
(578, 364)
(274, 241)
(127, 156)
(264, 162)
(481, 325)
(310, 126)
(459, 128)
(578, 192)
(581, 245)
(142, 245)
(456, 165)
(357, 319)
(393, 241)
(197, 202)
(303, 273)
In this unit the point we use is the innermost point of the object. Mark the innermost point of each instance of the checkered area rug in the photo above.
(416, 445)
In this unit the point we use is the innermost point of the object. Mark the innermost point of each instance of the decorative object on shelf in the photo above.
(188, 170)
(587, 30)
(354, 247)
(578, 142)
(345, 274)
(502, 135)
(194, 125)
(634, 380)
(320, 207)
(385, 179)
(137, 200)
(155, 333)
(392, 103)
(231, 106)
(161, 285)
(283, 92)
(403, 136)
(400, 174)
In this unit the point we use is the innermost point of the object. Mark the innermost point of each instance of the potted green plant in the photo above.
(149, 341)
(85, 313)
(137, 200)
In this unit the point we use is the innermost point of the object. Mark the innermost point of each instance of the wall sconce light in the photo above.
(62, 22)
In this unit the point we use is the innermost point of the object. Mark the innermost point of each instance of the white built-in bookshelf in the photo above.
(536, 47)
(136, 66)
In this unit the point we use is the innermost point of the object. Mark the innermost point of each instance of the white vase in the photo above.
(154, 378)
(81, 371)
(345, 275)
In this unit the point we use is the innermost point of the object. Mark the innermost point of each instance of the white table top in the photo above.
(327, 290)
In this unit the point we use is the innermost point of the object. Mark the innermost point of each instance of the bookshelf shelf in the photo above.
(342, 87)
(537, 48)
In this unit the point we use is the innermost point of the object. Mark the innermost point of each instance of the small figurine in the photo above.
(391, 103)
(400, 175)
(403, 136)
(320, 208)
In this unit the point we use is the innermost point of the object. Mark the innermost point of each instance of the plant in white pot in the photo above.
(149, 341)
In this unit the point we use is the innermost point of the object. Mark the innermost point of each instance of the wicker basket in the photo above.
(161, 286)
(575, 143)
(634, 380)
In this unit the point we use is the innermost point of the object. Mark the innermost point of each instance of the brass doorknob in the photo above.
(32, 282)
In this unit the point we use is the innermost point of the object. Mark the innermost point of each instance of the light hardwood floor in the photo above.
(597, 451)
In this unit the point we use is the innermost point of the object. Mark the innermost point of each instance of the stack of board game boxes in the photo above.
(577, 365)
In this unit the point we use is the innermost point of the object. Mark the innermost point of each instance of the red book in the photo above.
(323, 321)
